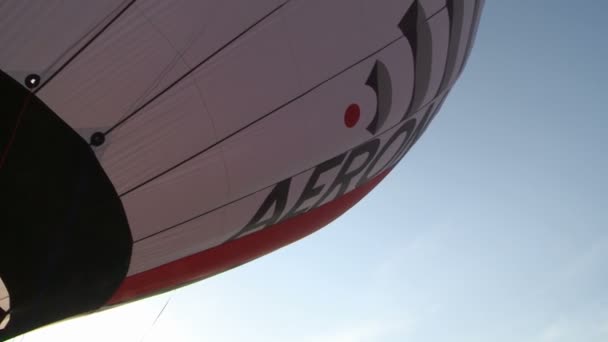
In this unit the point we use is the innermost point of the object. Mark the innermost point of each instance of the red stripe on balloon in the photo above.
(237, 252)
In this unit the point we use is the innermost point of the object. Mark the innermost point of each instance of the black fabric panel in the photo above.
(65, 244)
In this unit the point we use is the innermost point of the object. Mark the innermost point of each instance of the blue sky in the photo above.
(493, 228)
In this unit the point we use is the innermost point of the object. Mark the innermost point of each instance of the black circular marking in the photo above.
(97, 139)
(32, 81)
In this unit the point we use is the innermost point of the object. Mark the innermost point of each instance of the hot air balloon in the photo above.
(148, 144)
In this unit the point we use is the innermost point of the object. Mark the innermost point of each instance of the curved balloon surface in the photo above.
(147, 144)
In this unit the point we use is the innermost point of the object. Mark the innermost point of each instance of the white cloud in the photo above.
(589, 262)
(554, 332)
(370, 330)
(575, 328)
(424, 248)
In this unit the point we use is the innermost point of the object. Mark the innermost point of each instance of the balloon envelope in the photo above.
(148, 144)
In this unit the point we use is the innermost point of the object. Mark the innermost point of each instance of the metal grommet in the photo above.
(32, 81)
(97, 139)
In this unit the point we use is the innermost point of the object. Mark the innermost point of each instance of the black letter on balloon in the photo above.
(380, 81)
(311, 189)
(345, 176)
(276, 198)
(408, 129)
(416, 29)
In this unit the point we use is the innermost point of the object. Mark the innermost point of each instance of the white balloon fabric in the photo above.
(224, 129)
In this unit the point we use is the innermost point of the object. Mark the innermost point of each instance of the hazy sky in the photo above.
(493, 228)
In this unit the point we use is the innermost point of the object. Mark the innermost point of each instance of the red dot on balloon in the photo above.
(351, 116)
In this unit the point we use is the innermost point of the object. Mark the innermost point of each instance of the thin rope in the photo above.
(157, 317)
